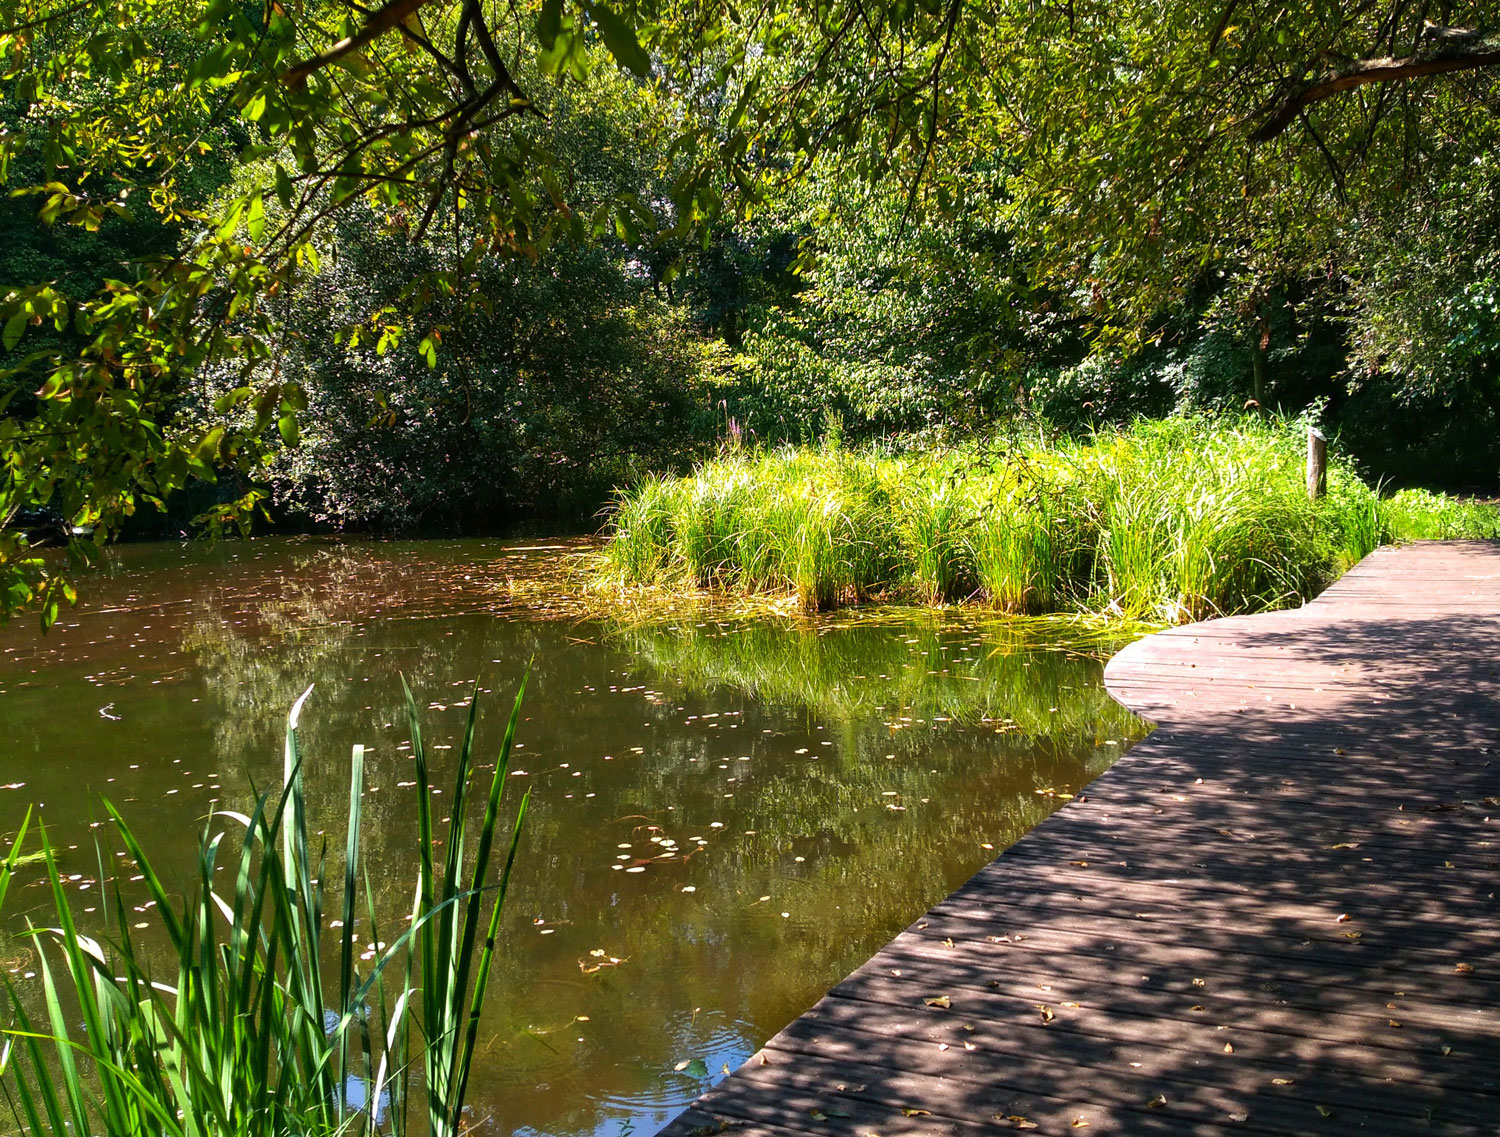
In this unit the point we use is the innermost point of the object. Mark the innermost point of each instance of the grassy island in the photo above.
(1171, 520)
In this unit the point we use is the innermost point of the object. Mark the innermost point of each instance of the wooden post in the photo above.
(1317, 463)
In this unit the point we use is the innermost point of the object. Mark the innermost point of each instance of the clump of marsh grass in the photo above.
(1166, 520)
(1195, 522)
(817, 523)
(243, 1032)
(1414, 515)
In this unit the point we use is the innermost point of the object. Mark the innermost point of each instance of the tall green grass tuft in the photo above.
(250, 1028)
(1167, 520)
(1413, 515)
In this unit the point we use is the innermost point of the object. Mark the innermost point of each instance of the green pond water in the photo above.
(739, 811)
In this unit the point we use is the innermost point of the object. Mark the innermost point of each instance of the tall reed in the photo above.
(1169, 520)
(245, 1032)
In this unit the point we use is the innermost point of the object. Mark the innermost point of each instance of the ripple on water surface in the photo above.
(728, 815)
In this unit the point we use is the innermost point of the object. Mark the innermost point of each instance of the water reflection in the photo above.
(727, 816)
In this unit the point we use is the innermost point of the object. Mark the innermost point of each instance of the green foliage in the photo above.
(1010, 183)
(1415, 515)
(901, 326)
(217, 132)
(1172, 520)
(572, 379)
(240, 1031)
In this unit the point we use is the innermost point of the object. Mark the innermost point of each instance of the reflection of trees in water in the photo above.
(346, 619)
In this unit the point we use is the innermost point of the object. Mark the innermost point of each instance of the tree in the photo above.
(1130, 147)
(112, 117)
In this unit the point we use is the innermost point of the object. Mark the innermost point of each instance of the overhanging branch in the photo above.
(383, 19)
(1453, 49)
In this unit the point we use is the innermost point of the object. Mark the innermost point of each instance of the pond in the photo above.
(737, 811)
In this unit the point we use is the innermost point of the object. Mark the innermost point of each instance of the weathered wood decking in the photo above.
(1275, 915)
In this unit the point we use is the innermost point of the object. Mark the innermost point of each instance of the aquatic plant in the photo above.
(242, 1031)
(1167, 520)
(1416, 514)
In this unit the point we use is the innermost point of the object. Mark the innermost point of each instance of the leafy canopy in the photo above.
(1132, 147)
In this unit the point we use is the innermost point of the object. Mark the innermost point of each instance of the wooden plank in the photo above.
(1277, 914)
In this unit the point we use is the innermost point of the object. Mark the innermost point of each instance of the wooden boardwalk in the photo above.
(1275, 915)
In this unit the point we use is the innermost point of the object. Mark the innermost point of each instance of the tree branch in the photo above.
(383, 19)
(1456, 49)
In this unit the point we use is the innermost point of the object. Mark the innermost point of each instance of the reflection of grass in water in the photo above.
(853, 840)
(966, 673)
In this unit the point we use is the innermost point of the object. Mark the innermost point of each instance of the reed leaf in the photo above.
(242, 1039)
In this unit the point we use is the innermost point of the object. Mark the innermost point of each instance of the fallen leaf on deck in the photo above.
(1157, 1102)
(940, 1001)
(1047, 1015)
(1324, 1110)
(917, 1112)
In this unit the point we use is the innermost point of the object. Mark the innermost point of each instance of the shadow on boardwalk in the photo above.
(1276, 915)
